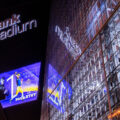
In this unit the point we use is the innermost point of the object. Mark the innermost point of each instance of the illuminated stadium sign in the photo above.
(57, 97)
(20, 85)
(10, 27)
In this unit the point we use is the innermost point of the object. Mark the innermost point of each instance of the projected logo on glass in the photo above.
(60, 93)
(14, 28)
(20, 85)
(68, 41)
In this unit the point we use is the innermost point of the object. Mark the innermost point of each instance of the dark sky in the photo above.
(25, 48)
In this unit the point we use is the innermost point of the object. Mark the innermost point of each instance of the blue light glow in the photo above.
(56, 98)
(20, 85)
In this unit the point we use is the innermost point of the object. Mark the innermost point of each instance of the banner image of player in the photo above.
(20, 85)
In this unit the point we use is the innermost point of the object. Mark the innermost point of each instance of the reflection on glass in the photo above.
(62, 90)
(68, 41)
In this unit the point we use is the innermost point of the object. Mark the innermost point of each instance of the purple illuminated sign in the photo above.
(20, 85)
(63, 90)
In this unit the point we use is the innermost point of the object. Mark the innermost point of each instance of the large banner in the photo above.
(20, 85)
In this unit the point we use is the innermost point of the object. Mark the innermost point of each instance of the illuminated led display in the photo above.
(20, 85)
(60, 92)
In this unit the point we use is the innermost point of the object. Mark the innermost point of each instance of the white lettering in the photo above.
(3, 35)
(33, 22)
(15, 28)
(26, 97)
(68, 41)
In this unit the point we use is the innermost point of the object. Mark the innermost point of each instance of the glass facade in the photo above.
(86, 54)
